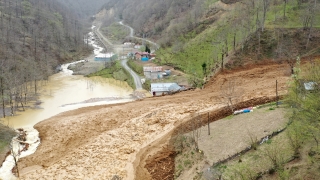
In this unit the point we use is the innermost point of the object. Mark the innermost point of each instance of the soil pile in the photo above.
(108, 141)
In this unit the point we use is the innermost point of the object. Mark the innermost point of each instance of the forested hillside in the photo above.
(198, 36)
(83, 8)
(35, 37)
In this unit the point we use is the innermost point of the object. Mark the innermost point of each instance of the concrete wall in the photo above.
(153, 75)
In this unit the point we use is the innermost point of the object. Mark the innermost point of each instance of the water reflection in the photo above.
(65, 92)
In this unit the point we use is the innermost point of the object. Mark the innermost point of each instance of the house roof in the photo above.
(152, 69)
(107, 55)
(142, 53)
(165, 87)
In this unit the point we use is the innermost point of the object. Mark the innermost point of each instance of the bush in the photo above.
(136, 67)
(147, 85)
(6, 135)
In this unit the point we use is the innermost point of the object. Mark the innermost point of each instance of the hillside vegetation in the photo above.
(35, 37)
(200, 37)
(83, 8)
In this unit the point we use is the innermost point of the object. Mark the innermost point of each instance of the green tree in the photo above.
(147, 49)
(303, 99)
(204, 68)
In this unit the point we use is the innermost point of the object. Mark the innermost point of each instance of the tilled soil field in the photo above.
(105, 142)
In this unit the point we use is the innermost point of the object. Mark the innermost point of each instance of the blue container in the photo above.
(144, 59)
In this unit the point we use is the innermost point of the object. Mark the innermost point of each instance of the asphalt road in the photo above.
(136, 77)
(132, 35)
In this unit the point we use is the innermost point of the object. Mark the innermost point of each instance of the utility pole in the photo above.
(2, 94)
(277, 98)
(208, 123)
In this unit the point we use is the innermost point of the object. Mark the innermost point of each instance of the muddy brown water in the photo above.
(64, 92)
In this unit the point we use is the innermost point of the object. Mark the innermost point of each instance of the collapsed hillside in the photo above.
(104, 141)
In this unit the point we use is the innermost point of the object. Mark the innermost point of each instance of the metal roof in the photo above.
(152, 69)
(107, 55)
(165, 87)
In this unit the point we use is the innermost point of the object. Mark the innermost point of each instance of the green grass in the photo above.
(3, 145)
(6, 134)
(108, 72)
(116, 71)
(191, 49)
(293, 19)
(136, 67)
(115, 32)
(256, 161)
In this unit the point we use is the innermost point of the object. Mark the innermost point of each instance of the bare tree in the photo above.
(15, 156)
(312, 14)
(230, 94)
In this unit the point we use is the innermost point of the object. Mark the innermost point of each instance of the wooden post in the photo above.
(208, 124)
(277, 93)
(2, 94)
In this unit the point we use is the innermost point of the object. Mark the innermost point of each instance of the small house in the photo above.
(158, 89)
(152, 72)
(143, 56)
(137, 46)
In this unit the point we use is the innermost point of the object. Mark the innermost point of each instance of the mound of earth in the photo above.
(103, 142)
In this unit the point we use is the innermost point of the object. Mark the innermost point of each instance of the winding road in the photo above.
(107, 43)
(132, 35)
(136, 77)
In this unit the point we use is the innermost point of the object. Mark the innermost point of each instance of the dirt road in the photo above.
(102, 142)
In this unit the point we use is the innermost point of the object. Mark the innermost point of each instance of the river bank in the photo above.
(84, 92)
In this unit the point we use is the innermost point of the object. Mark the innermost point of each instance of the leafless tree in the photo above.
(230, 94)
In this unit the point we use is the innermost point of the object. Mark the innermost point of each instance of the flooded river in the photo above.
(64, 92)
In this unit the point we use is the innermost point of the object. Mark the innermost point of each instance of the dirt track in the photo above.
(103, 141)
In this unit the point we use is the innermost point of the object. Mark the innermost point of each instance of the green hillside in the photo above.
(209, 33)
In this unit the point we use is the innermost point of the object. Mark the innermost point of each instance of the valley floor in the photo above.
(109, 141)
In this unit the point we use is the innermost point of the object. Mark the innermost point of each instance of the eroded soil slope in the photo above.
(103, 141)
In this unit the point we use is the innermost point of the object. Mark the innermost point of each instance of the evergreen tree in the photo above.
(148, 49)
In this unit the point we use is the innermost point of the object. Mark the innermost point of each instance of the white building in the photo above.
(105, 57)
(158, 89)
(153, 72)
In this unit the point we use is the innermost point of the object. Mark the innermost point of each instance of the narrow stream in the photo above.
(63, 92)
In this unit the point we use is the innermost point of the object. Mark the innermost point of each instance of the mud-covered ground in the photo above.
(102, 142)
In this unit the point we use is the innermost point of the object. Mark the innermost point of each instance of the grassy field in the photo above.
(291, 154)
(228, 136)
(116, 71)
(115, 32)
